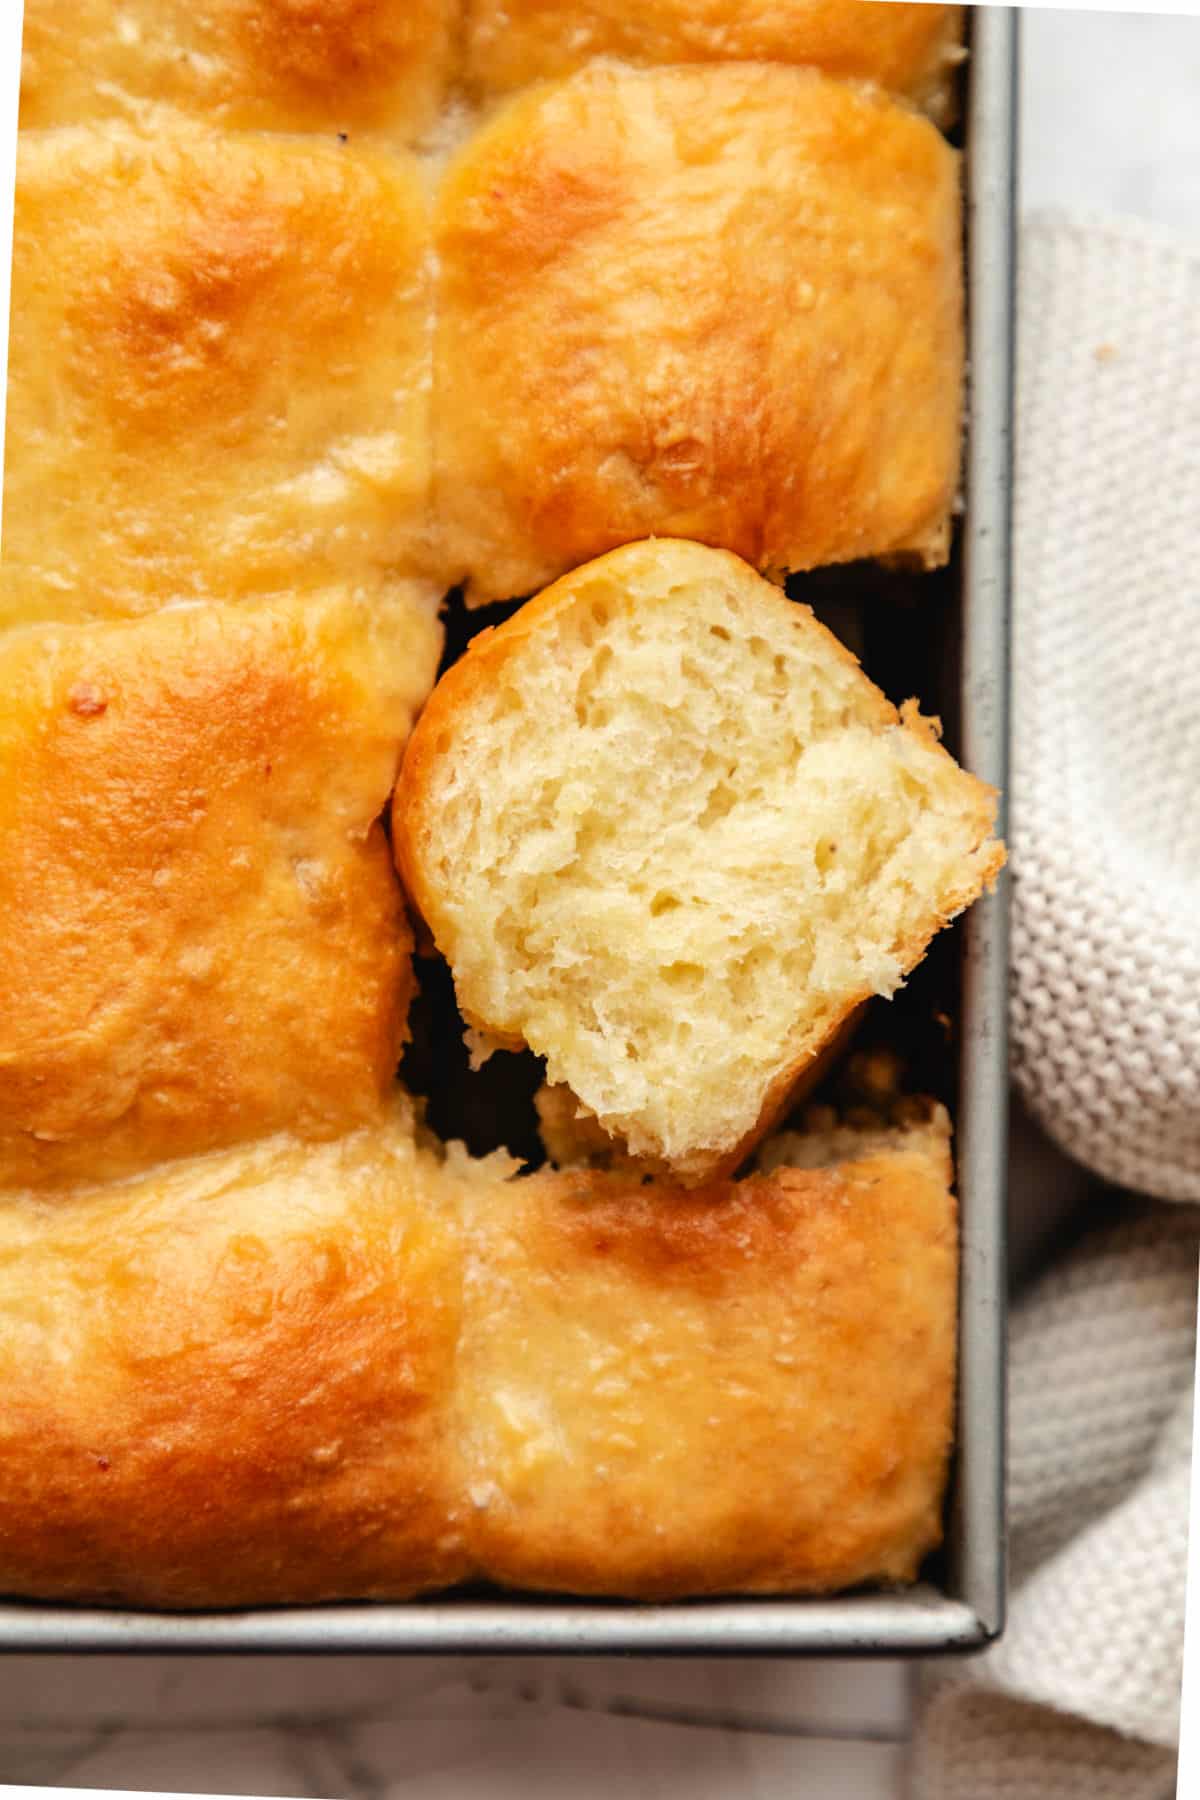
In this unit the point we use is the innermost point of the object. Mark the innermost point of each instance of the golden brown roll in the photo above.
(262, 1339)
(668, 836)
(204, 940)
(743, 1389)
(908, 50)
(218, 374)
(295, 1373)
(716, 303)
(229, 1381)
(356, 66)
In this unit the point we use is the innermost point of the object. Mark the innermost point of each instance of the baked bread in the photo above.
(293, 1373)
(573, 1137)
(718, 302)
(204, 939)
(715, 303)
(262, 1340)
(668, 835)
(356, 66)
(907, 50)
(391, 68)
(227, 1381)
(218, 372)
(742, 1389)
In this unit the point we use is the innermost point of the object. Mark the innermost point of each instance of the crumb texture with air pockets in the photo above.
(668, 835)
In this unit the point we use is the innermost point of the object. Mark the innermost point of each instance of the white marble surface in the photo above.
(1110, 121)
(440, 1727)
(1111, 114)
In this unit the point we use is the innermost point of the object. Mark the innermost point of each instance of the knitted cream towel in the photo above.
(1105, 831)
(1081, 1696)
(1080, 1699)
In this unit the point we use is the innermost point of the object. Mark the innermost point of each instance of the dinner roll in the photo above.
(669, 836)
(228, 1381)
(719, 303)
(356, 66)
(218, 372)
(363, 1369)
(204, 938)
(909, 50)
(745, 1389)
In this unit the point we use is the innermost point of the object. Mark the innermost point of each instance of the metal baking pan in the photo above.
(960, 1606)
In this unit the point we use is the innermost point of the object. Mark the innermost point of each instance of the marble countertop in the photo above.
(431, 1728)
(1110, 122)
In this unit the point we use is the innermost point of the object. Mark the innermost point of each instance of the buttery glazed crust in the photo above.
(744, 1389)
(241, 1368)
(293, 1373)
(715, 303)
(204, 940)
(218, 373)
(271, 65)
(387, 67)
(228, 1382)
(908, 50)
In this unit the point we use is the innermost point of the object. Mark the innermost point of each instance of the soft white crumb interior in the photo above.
(673, 841)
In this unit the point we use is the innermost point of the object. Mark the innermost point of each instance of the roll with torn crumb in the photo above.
(669, 836)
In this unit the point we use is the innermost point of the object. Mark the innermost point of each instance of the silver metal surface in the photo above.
(977, 1525)
(921, 1620)
(970, 1610)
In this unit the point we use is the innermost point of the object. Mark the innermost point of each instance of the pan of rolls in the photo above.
(503, 603)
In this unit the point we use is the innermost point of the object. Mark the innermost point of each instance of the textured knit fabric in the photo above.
(1081, 1696)
(1105, 833)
